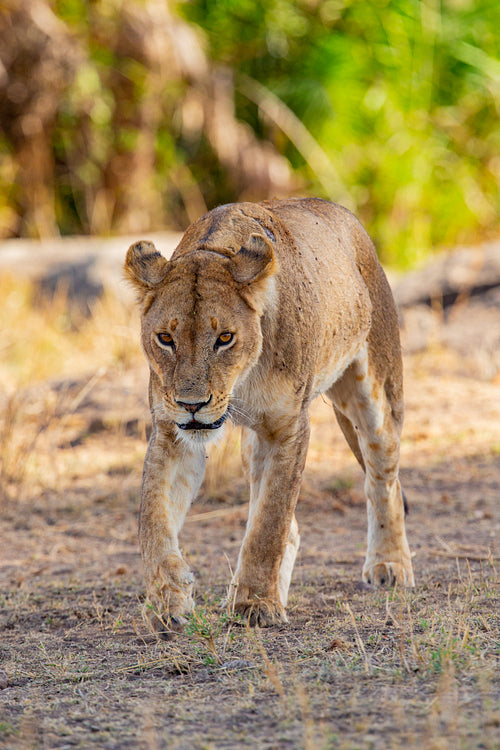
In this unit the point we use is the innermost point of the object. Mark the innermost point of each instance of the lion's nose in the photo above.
(193, 407)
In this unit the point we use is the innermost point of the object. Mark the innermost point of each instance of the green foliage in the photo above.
(388, 106)
(401, 94)
(7, 730)
(206, 630)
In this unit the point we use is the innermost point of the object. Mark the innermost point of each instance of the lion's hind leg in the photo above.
(371, 414)
(350, 435)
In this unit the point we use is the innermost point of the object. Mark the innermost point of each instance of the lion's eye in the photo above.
(224, 339)
(165, 340)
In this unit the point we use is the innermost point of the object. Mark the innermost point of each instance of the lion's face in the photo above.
(200, 330)
(199, 343)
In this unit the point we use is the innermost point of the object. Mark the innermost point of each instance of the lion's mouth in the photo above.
(195, 425)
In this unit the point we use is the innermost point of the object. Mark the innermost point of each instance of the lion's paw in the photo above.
(388, 574)
(169, 596)
(262, 613)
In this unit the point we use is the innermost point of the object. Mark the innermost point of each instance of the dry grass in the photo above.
(355, 668)
(44, 338)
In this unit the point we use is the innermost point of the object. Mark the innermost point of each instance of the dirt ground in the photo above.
(354, 668)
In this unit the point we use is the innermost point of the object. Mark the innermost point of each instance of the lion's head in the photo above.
(201, 329)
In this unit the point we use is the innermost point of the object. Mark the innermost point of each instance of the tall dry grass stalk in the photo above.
(44, 340)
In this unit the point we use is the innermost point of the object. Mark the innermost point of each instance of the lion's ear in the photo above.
(144, 266)
(254, 261)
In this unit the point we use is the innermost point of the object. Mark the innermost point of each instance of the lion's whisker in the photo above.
(237, 410)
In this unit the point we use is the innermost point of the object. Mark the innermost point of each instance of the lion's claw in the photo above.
(262, 613)
(388, 574)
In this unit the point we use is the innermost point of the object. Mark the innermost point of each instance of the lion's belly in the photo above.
(332, 367)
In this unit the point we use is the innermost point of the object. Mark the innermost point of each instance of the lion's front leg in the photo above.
(172, 477)
(271, 540)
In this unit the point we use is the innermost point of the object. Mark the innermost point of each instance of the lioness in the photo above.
(262, 308)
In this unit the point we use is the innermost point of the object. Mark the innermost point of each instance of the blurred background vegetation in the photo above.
(124, 116)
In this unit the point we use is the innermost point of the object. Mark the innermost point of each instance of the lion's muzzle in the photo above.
(194, 423)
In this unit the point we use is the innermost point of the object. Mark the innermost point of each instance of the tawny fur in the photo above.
(262, 308)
